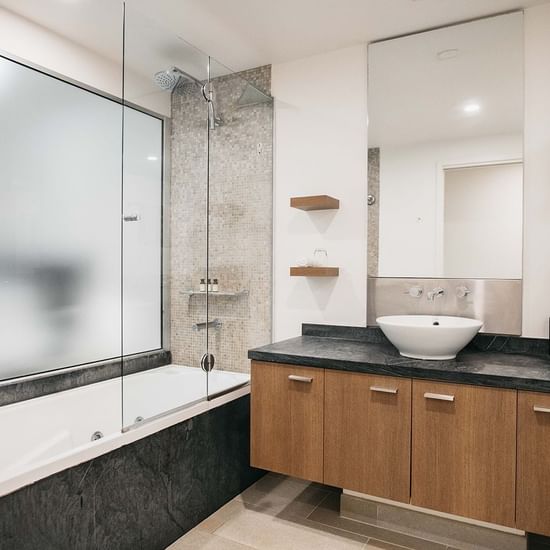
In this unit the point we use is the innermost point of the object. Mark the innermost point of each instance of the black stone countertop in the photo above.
(352, 351)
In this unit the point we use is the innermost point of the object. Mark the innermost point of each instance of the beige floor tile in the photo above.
(451, 532)
(321, 527)
(279, 485)
(373, 544)
(200, 540)
(218, 518)
(290, 499)
(327, 514)
(271, 533)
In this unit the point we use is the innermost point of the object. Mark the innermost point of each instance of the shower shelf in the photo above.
(224, 293)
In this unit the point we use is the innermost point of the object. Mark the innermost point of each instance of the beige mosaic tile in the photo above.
(240, 169)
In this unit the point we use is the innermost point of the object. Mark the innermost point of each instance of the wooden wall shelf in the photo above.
(315, 202)
(314, 271)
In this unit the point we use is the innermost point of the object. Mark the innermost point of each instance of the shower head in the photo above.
(167, 80)
(170, 78)
(173, 78)
(252, 96)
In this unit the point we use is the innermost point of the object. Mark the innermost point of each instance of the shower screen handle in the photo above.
(207, 362)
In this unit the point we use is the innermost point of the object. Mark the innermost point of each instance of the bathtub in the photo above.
(47, 434)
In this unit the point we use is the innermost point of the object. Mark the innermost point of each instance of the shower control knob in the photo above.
(414, 291)
(207, 362)
(462, 291)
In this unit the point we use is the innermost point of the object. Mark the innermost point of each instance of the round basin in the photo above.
(429, 337)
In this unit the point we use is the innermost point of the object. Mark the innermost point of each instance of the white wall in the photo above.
(411, 199)
(320, 148)
(31, 42)
(536, 253)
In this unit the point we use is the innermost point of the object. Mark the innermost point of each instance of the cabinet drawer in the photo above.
(367, 433)
(464, 450)
(533, 494)
(287, 419)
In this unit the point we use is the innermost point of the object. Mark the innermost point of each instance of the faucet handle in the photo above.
(414, 291)
(462, 291)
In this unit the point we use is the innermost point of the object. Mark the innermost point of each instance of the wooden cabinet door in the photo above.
(533, 492)
(287, 419)
(367, 433)
(464, 450)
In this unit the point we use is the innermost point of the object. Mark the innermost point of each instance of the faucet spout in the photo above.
(433, 294)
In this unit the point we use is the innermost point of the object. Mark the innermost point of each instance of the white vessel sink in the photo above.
(429, 336)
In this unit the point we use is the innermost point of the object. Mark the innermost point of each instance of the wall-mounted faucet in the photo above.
(216, 323)
(437, 291)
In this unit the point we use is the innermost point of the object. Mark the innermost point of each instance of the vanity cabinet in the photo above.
(533, 481)
(464, 450)
(443, 446)
(367, 433)
(287, 415)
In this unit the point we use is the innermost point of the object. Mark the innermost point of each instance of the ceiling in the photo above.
(249, 33)
(415, 96)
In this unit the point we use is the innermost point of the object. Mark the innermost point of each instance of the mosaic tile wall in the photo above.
(240, 231)
(374, 211)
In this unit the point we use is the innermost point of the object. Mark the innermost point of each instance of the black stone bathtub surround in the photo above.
(142, 496)
(367, 350)
(67, 379)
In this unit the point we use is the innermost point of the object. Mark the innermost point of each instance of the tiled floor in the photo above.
(280, 513)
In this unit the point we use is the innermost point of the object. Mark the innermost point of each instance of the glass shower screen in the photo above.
(164, 239)
(60, 239)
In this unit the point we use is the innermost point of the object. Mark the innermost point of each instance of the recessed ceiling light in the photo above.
(152, 157)
(443, 55)
(471, 108)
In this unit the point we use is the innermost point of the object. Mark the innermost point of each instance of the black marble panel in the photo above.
(371, 335)
(66, 379)
(510, 344)
(481, 342)
(140, 497)
(362, 353)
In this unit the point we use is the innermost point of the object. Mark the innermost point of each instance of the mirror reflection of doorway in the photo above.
(482, 222)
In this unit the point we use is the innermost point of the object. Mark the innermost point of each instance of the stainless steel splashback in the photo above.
(496, 302)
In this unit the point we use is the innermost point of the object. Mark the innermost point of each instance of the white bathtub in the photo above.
(153, 392)
(47, 434)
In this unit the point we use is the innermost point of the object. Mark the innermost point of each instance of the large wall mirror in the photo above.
(446, 152)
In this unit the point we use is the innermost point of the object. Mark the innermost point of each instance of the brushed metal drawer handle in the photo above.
(296, 378)
(439, 396)
(383, 390)
(541, 409)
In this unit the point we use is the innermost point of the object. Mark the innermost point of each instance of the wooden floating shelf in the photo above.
(314, 271)
(315, 202)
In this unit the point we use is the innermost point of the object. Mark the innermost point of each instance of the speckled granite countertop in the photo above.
(358, 350)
